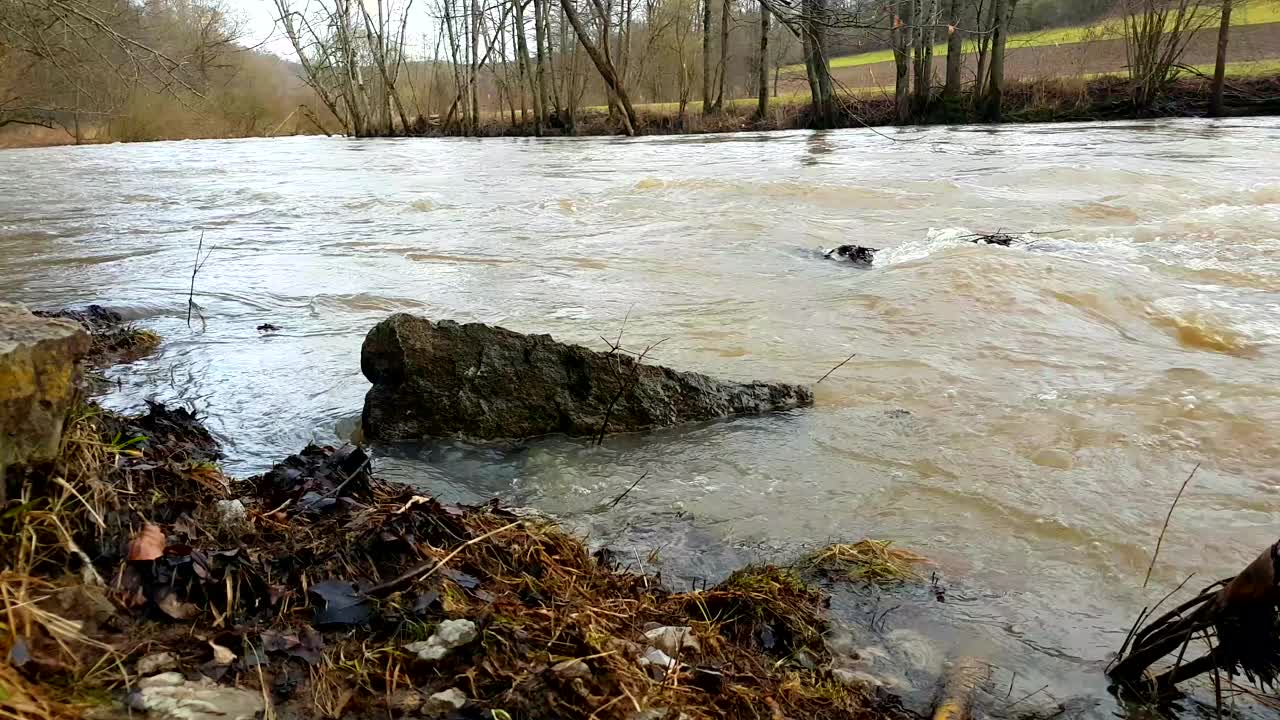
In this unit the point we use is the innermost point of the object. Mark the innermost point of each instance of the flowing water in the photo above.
(1022, 416)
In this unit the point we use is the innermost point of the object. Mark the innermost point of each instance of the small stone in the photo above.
(448, 635)
(456, 633)
(570, 669)
(406, 701)
(805, 660)
(444, 702)
(673, 640)
(169, 679)
(856, 679)
(157, 662)
(203, 700)
(232, 514)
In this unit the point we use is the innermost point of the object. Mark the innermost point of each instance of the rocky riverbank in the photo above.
(138, 577)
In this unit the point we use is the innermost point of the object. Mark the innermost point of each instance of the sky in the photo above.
(260, 27)
(258, 17)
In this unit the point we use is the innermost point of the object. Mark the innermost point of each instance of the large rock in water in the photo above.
(37, 384)
(445, 379)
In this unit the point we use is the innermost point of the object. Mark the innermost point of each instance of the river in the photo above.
(1021, 416)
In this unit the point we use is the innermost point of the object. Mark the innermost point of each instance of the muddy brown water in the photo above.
(1022, 416)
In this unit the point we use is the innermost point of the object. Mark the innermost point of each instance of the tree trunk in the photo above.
(995, 85)
(523, 45)
(762, 98)
(955, 51)
(723, 68)
(902, 61)
(603, 65)
(825, 102)
(1220, 63)
(984, 57)
(707, 106)
(924, 56)
(540, 36)
(810, 69)
(472, 86)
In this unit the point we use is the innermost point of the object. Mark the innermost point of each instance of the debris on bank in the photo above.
(443, 379)
(136, 575)
(112, 339)
(874, 561)
(1232, 628)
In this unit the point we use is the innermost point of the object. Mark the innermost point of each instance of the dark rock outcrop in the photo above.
(443, 379)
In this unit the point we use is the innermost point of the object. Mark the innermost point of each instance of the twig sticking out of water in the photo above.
(195, 270)
(1160, 540)
(628, 490)
(624, 382)
(824, 377)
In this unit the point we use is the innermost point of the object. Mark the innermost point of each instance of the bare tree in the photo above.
(722, 67)
(924, 54)
(60, 59)
(600, 56)
(1220, 61)
(902, 60)
(339, 44)
(1157, 33)
(955, 50)
(1001, 10)
(708, 106)
(541, 37)
(762, 79)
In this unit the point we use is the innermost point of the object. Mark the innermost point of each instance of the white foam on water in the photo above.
(936, 240)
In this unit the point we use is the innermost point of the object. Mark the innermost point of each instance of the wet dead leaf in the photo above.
(341, 604)
(222, 656)
(147, 544)
(175, 608)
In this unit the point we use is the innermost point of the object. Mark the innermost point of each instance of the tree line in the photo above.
(385, 67)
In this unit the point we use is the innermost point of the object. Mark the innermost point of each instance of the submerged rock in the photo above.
(856, 254)
(38, 378)
(445, 379)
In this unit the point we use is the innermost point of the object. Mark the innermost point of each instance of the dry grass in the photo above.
(867, 560)
(80, 612)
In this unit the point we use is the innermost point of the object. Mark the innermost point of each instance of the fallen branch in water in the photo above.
(837, 367)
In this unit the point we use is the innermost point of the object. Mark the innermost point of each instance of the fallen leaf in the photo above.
(468, 582)
(222, 656)
(175, 608)
(148, 544)
(342, 605)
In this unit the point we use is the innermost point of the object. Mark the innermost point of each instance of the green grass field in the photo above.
(1253, 12)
